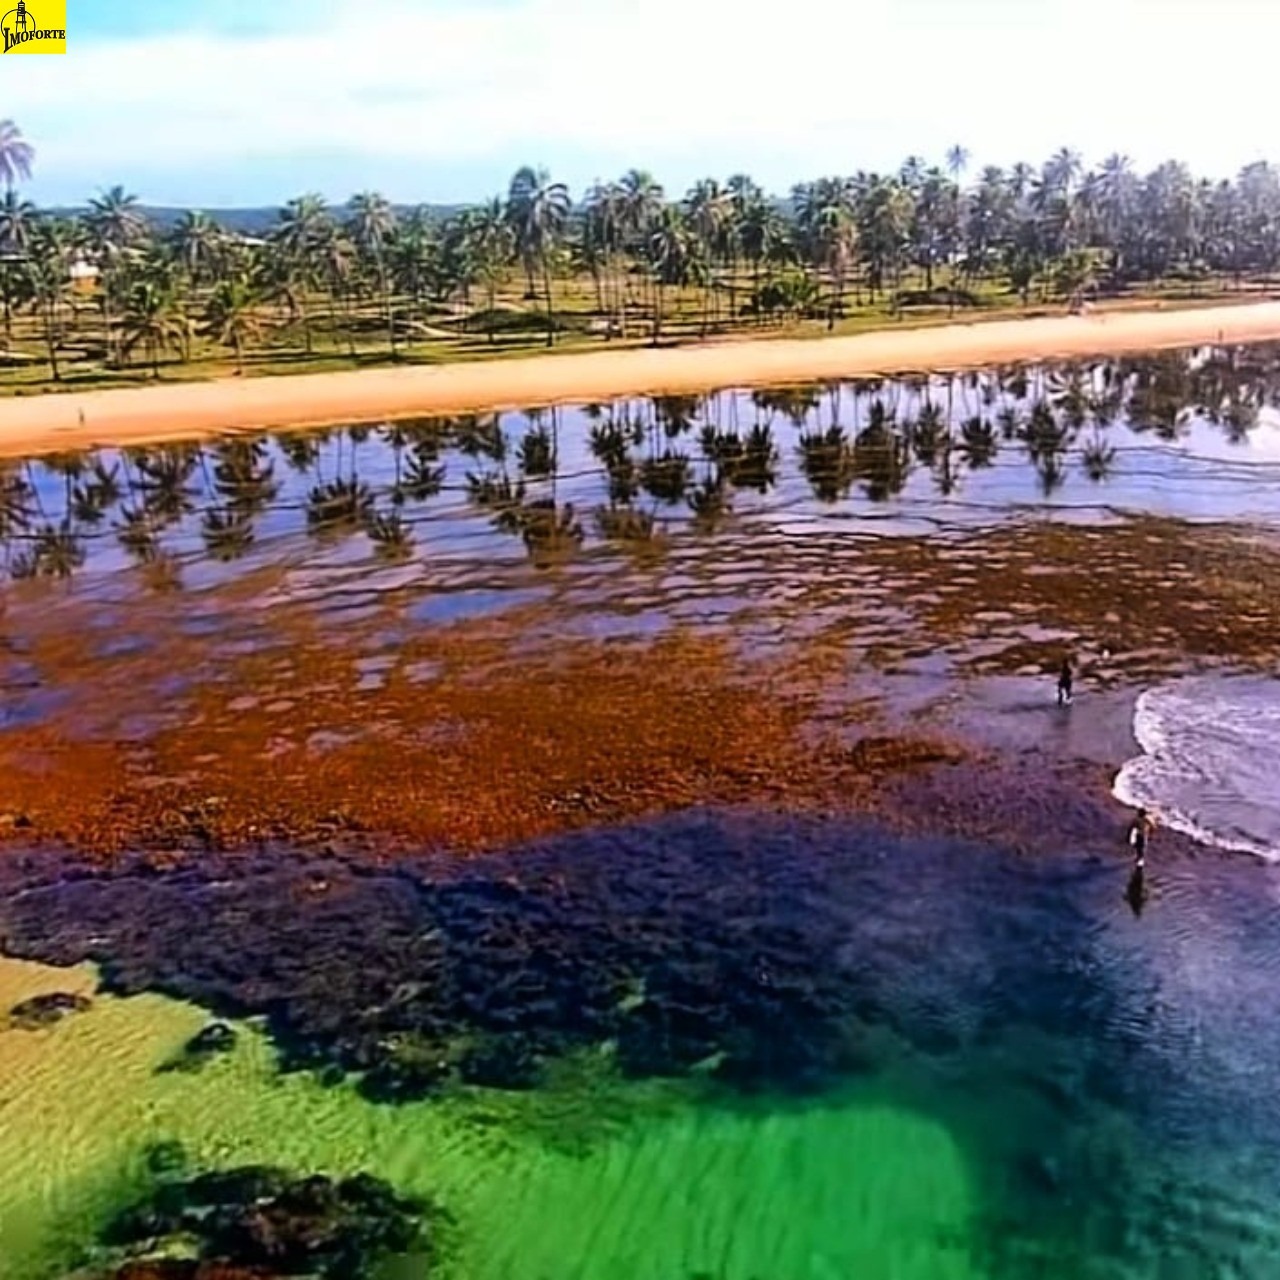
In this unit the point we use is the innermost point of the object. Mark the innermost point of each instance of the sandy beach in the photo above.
(167, 412)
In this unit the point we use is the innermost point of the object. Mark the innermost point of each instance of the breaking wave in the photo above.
(1210, 762)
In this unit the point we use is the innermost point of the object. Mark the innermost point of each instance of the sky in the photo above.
(219, 103)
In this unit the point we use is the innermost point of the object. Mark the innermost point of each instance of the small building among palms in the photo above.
(84, 275)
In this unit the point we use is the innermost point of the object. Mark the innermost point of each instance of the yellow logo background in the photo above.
(33, 26)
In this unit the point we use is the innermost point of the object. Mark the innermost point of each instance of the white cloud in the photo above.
(817, 85)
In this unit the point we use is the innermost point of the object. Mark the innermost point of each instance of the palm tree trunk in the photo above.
(551, 319)
(186, 334)
(620, 296)
(51, 339)
(333, 315)
(108, 327)
(599, 284)
(347, 323)
(386, 302)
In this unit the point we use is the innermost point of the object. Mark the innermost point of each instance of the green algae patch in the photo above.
(657, 1183)
(816, 1192)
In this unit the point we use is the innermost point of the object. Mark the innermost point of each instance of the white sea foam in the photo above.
(1210, 762)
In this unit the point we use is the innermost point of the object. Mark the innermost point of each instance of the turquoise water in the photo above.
(1033, 1083)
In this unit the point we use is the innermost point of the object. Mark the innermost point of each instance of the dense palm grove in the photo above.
(649, 466)
(326, 278)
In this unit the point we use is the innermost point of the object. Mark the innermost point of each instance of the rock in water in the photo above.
(207, 1043)
(262, 1222)
(217, 1037)
(45, 1010)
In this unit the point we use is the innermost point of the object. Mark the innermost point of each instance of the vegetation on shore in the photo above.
(104, 296)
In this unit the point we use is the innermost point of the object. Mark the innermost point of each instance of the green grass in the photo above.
(520, 330)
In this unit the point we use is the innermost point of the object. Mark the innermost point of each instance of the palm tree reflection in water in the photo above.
(636, 470)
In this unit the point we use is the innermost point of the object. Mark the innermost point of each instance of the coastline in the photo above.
(148, 415)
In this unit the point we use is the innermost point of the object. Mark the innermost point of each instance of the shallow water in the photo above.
(1045, 1087)
(685, 1190)
(1188, 435)
(1208, 768)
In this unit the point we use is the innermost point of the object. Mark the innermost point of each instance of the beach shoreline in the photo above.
(166, 412)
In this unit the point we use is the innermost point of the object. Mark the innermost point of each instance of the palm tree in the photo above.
(153, 320)
(492, 244)
(641, 202)
(118, 228)
(835, 244)
(414, 257)
(604, 234)
(671, 259)
(1045, 227)
(302, 229)
(957, 161)
(707, 210)
(197, 243)
(17, 155)
(116, 218)
(231, 318)
(538, 210)
(885, 212)
(17, 224)
(49, 264)
(372, 223)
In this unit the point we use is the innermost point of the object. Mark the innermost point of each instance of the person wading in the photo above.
(1066, 679)
(1139, 833)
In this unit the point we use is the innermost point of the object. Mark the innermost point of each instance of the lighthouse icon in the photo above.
(19, 20)
(21, 30)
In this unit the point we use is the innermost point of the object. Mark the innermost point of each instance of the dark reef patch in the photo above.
(46, 1010)
(260, 1221)
(207, 1043)
(761, 950)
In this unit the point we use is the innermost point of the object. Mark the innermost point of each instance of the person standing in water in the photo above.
(1139, 833)
(1066, 678)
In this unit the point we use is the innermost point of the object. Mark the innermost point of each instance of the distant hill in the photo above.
(256, 221)
(249, 222)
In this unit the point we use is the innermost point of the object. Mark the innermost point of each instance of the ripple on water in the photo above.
(1034, 1066)
(1207, 768)
(453, 606)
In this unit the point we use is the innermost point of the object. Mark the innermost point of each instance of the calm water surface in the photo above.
(1191, 435)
